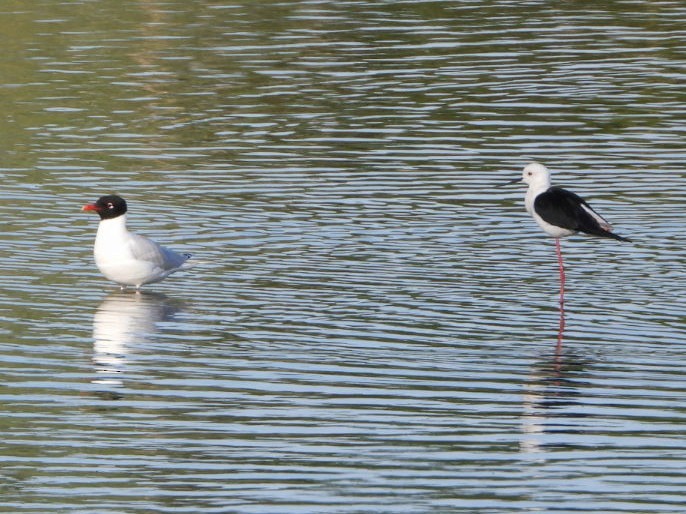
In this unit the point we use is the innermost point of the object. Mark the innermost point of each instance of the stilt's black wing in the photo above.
(565, 209)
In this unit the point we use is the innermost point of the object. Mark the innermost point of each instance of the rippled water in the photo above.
(373, 325)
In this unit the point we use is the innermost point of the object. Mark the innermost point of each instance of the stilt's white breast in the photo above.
(538, 178)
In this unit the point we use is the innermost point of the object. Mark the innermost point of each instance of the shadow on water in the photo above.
(123, 321)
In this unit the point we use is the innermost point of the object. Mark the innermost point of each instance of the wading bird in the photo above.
(560, 213)
(126, 258)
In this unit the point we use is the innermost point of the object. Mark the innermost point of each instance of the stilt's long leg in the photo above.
(562, 294)
(562, 270)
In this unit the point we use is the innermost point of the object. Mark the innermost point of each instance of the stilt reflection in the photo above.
(549, 395)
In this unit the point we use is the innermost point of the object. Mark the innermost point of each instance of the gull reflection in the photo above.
(122, 322)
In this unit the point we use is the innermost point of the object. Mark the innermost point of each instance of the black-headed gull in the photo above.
(126, 258)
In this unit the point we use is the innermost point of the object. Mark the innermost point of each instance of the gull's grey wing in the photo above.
(146, 249)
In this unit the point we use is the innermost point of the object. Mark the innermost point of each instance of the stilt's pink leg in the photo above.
(561, 329)
(562, 294)
(562, 270)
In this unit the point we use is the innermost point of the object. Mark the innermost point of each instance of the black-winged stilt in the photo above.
(560, 213)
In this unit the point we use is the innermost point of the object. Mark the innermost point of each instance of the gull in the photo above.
(127, 258)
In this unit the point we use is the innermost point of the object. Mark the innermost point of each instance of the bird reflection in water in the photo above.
(550, 393)
(122, 322)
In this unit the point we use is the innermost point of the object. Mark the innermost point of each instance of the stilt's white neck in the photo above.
(538, 185)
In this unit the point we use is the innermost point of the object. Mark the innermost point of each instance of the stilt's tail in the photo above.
(599, 231)
(618, 238)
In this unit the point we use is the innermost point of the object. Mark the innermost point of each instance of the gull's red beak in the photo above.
(90, 207)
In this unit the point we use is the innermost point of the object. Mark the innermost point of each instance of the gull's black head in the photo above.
(108, 207)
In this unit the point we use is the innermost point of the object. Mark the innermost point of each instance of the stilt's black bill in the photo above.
(510, 182)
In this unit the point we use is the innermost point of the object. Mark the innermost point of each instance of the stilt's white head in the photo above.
(536, 175)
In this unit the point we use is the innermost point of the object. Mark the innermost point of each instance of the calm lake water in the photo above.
(372, 326)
